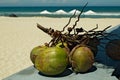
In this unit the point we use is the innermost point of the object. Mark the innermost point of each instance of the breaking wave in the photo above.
(89, 12)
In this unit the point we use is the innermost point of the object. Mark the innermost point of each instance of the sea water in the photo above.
(63, 11)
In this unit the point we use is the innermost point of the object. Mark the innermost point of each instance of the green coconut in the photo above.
(81, 58)
(52, 61)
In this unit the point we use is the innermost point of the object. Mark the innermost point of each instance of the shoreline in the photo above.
(19, 35)
(67, 19)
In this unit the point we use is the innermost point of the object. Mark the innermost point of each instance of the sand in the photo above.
(18, 36)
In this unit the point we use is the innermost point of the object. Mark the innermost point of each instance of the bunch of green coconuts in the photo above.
(76, 50)
(73, 50)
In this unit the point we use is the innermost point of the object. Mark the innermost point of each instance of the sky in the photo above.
(59, 2)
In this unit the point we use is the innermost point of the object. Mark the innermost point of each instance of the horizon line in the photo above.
(65, 6)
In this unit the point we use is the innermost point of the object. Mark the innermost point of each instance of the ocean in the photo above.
(63, 11)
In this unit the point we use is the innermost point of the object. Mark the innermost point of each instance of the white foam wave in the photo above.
(90, 12)
(73, 11)
(45, 12)
(60, 12)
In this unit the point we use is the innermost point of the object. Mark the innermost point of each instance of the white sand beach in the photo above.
(18, 36)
